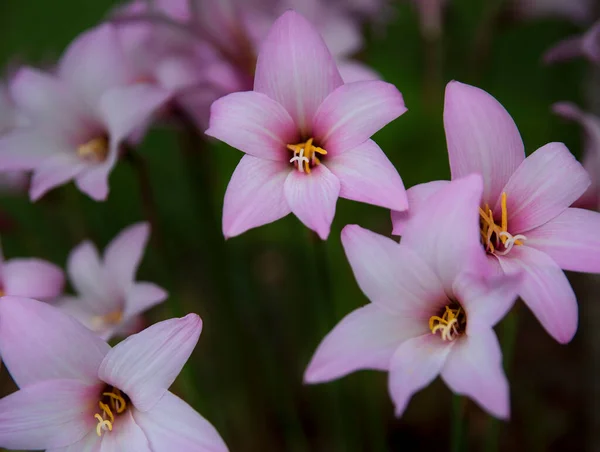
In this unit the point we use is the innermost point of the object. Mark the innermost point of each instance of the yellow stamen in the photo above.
(451, 323)
(100, 322)
(106, 417)
(117, 401)
(499, 233)
(305, 155)
(95, 150)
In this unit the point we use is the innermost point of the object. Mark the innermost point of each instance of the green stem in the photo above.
(459, 426)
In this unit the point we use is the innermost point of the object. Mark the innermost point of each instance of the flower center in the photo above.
(305, 155)
(112, 319)
(495, 238)
(95, 150)
(112, 403)
(451, 322)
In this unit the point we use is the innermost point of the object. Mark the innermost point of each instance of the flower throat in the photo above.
(305, 155)
(495, 238)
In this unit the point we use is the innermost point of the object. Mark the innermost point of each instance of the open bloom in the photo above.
(306, 136)
(432, 308)
(525, 220)
(110, 301)
(78, 394)
(586, 45)
(78, 118)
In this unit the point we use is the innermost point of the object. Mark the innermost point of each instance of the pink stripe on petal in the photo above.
(296, 69)
(255, 195)
(542, 187)
(33, 278)
(254, 124)
(482, 138)
(366, 175)
(312, 197)
(354, 112)
(417, 200)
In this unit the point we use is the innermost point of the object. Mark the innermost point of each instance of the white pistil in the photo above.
(510, 242)
(301, 159)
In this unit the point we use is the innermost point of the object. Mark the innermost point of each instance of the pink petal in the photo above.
(33, 278)
(127, 435)
(417, 200)
(414, 366)
(474, 369)
(446, 234)
(364, 339)
(142, 296)
(38, 417)
(567, 49)
(296, 69)
(571, 240)
(312, 197)
(39, 342)
(255, 195)
(54, 171)
(533, 194)
(123, 254)
(253, 123)
(354, 112)
(366, 175)
(173, 425)
(354, 71)
(90, 443)
(482, 138)
(591, 43)
(25, 149)
(94, 181)
(545, 290)
(146, 364)
(391, 276)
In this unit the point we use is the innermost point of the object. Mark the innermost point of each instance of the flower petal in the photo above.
(90, 443)
(312, 197)
(446, 234)
(94, 181)
(533, 195)
(364, 339)
(355, 71)
(415, 365)
(33, 278)
(25, 149)
(545, 290)
(296, 69)
(48, 414)
(567, 49)
(146, 364)
(253, 123)
(571, 239)
(53, 171)
(173, 425)
(482, 138)
(123, 254)
(255, 195)
(390, 275)
(417, 200)
(474, 369)
(141, 297)
(126, 436)
(354, 112)
(366, 175)
(38, 342)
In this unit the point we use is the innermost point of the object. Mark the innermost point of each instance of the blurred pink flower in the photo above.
(306, 136)
(15, 181)
(586, 45)
(30, 277)
(526, 222)
(109, 300)
(80, 117)
(578, 11)
(432, 308)
(79, 394)
(591, 158)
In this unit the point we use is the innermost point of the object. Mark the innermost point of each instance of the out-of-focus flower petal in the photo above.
(354, 71)
(312, 197)
(253, 123)
(142, 296)
(482, 138)
(144, 365)
(255, 195)
(33, 278)
(39, 342)
(90, 443)
(54, 171)
(123, 254)
(533, 194)
(25, 149)
(566, 49)
(417, 200)
(354, 112)
(367, 175)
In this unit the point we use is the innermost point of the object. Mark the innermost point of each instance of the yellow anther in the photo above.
(95, 150)
(106, 417)
(305, 155)
(492, 235)
(450, 323)
(103, 424)
(117, 401)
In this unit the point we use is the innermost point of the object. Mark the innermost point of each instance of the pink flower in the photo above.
(79, 394)
(591, 158)
(578, 11)
(306, 136)
(586, 45)
(80, 117)
(14, 181)
(526, 222)
(110, 301)
(30, 277)
(432, 308)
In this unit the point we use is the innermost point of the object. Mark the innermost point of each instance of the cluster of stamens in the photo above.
(493, 235)
(305, 155)
(112, 403)
(95, 150)
(452, 323)
(99, 322)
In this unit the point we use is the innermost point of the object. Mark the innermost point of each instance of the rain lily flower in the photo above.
(110, 301)
(591, 158)
(306, 136)
(433, 307)
(79, 117)
(525, 220)
(586, 45)
(78, 394)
